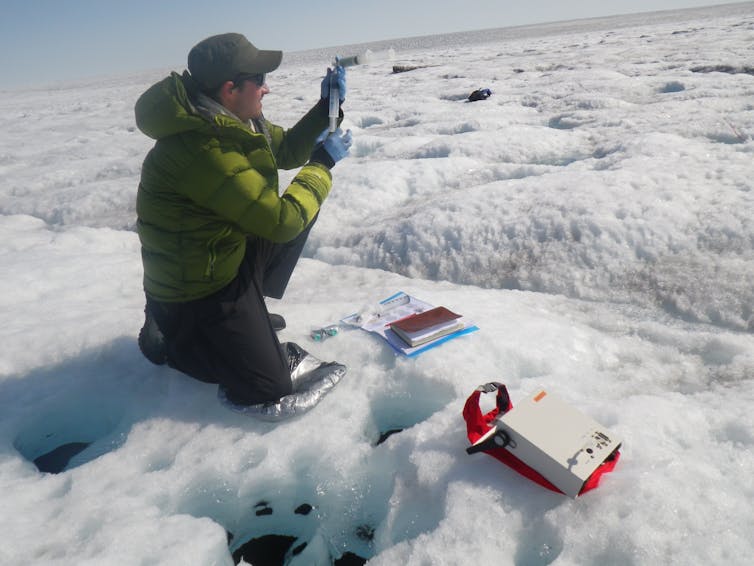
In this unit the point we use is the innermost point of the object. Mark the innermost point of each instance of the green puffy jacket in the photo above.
(209, 182)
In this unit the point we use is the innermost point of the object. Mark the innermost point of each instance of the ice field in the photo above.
(594, 217)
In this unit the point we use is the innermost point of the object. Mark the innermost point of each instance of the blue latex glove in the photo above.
(340, 77)
(332, 147)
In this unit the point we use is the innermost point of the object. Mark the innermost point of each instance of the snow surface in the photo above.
(593, 217)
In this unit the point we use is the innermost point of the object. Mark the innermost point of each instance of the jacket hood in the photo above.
(166, 109)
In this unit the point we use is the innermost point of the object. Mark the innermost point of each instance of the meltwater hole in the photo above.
(271, 550)
(406, 405)
(279, 547)
(56, 460)
(387, 434)
(268, 550)
(61, 436)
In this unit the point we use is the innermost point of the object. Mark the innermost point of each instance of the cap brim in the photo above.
(268, 60)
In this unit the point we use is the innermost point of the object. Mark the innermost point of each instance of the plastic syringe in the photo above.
(368, 56)
(333, 112)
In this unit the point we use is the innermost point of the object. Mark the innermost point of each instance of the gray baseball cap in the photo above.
(223, 57)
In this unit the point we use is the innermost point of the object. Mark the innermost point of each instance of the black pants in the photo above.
(227, 337)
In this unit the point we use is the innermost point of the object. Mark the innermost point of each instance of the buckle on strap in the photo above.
(503, 400)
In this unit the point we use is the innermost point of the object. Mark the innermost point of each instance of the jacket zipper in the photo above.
(212, 249)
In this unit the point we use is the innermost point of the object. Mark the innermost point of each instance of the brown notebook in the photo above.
(425, 319)
(424, 327)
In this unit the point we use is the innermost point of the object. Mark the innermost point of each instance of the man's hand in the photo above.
(331, 147)
(340, 78)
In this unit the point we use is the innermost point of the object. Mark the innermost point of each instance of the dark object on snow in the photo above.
(723, 69)
(407, 68)
(480, 94)
(404, 68)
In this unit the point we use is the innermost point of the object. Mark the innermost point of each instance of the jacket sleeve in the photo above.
(292, 148)
(246, 194)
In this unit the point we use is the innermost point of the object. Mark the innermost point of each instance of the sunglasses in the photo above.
(258, 79)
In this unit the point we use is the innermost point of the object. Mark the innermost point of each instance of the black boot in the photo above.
(277, 321)
(151, 341)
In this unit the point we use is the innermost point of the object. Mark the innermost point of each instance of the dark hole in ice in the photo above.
(350, 559)
(272, 549)
(263, 508)
(299, 549)
(56, 460)
(387, 434)
(303, 509)
(268, 550)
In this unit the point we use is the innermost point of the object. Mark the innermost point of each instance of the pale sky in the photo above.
(44, 41)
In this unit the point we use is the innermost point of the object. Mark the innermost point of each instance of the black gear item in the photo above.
(480, 94)
(277, 321)
(151, 341)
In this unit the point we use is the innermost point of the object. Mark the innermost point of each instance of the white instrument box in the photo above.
(555, 439)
